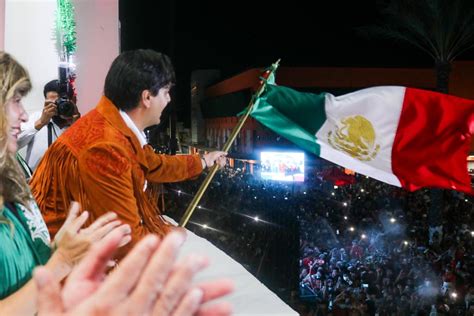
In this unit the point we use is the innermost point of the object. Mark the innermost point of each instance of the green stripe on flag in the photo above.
(294, 115)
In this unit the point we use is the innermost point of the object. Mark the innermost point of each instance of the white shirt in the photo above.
(131, 124)
(36, 142)
(140, 134)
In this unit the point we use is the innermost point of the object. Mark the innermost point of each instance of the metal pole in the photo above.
(197, 198)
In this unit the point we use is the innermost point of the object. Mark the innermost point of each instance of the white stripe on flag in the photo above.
(381, 106)
(347, 161)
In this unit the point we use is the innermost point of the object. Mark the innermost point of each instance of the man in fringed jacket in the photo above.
(103, 162)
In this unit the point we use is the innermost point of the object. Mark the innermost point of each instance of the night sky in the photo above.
(237, 35)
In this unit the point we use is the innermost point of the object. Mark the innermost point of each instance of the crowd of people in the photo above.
(364, 248)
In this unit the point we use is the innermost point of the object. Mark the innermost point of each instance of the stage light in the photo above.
(332, 193)
(335, 187)
(361, 190)
(256, 218)
(345, 203)
(255, 197)
(179, 191)
(286, 198)
(363, 236)
(199, 206)
(405, 243)
(393, 220)
(351, 229)
(466, 200)
(345, 218)
(304, 192)
(337, 231)
(204, 226)
(454, 295)
(472, 233)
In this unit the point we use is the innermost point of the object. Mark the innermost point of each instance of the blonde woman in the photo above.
(24, 238)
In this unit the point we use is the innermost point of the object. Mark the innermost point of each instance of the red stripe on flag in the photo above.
(433, 141)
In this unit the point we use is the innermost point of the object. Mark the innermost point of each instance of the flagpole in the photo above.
(197, 198)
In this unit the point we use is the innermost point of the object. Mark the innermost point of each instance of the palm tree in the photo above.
(443, 29)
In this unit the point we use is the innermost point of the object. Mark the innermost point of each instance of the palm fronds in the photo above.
(441, 28)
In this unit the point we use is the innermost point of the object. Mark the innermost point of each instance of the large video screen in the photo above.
(282, 166)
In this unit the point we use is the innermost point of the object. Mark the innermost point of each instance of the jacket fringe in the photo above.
(61, 163)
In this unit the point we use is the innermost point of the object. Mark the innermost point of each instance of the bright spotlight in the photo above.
(204, 226)
(472, 233)
(393, 220)
(405, 243)
(304, 192)
(363, 236)
(345, 218)
(361, 190)
(345, 203)
(454, 295)
(199, 206)
(335, 187)
(256, 218)
(286, 198)
(332, 193)
(351, 229)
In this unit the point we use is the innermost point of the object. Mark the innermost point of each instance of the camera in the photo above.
(64, 105)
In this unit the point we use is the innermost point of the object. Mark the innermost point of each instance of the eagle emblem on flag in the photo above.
(355, 136)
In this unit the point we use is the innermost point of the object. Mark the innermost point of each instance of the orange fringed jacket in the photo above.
(99, 162)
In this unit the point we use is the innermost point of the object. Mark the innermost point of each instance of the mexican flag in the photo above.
(402, 136)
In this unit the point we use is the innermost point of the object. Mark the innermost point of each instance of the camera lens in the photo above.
(65, 107)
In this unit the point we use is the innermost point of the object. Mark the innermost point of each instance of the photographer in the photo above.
(45, 126)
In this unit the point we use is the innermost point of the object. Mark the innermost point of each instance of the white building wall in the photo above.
(28, 36)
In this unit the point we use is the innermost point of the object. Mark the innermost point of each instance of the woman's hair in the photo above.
(14, 81)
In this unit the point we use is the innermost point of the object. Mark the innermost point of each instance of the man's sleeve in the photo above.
(108, 184)
(165, 168)
(28, 131)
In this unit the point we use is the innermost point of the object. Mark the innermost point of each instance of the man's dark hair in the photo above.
(53, 86)
(135, 71)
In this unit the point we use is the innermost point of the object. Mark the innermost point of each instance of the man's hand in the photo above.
(149, 281)
(213, 157)
(49, 111)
